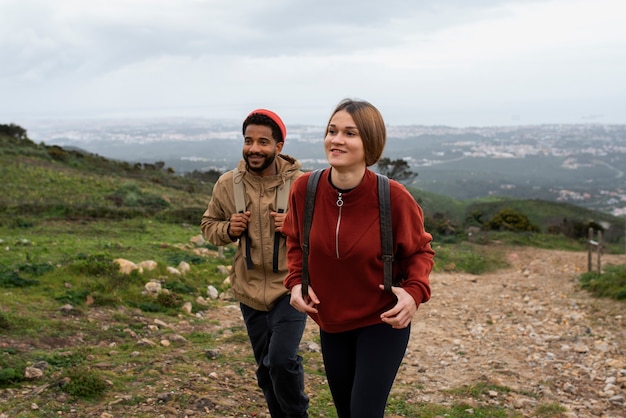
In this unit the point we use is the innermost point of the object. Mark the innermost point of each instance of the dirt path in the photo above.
(527, 328)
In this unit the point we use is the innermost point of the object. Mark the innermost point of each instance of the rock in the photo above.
(212, 292)
(127, 266)
(146, 342)
(66, 309)
(225, 270)
(33, 373)
(41, 365)
(160, 323)
(175, 338)
(310, 346)
(148, 265)
(172, 270)
(184, 267)
(165, 397)
(153, 287)
(212, 353)
(197, 240)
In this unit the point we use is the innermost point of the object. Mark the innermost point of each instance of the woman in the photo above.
(364, 330)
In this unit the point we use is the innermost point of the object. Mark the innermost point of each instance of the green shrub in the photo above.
(84, 383)
(22, 223)
(9, 376)
(130, 195)
(35, 269)
(73, 297)
(13, 279)
(180, 287)
(106, 299)
(611, 283)
(4, 322)
(511, 220)
(147, 306)
(99, 265)
(11, 367)
(169, 300)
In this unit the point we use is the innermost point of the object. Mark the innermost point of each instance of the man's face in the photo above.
(260, 149)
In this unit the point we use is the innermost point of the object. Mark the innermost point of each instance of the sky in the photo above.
(422, 62)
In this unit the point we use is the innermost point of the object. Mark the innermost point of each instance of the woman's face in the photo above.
(343, 143)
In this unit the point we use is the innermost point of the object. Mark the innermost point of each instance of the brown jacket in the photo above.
(259, 287)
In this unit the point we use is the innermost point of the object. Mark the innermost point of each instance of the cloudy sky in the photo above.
(427, 62)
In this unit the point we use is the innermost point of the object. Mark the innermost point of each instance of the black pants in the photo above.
(361, 366)
(275, 338)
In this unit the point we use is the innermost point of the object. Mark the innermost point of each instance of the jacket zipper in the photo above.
(340, 205)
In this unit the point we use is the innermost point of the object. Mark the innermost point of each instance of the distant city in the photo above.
(582, 164)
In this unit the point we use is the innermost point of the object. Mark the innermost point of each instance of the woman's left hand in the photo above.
(401, 314)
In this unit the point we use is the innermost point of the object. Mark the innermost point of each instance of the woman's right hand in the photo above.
(306, 304)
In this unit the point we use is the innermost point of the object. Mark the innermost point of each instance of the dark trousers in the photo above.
(361, 366)
(275, 338)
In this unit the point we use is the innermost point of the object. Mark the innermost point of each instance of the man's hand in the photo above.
(279, 219)
(238, 224)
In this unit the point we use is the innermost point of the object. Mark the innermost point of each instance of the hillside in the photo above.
(42, 180)
(50, 181)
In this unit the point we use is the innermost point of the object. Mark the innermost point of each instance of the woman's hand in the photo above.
(401, 314)
(305, 304)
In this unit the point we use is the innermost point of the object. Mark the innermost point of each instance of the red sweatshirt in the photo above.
(345, 259)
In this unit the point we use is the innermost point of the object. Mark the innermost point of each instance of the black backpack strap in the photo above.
(309, 203)
(277, 238)
(386, 233)
(282, 200)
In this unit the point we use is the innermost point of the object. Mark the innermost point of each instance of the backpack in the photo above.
(386, 235)
(282, 198)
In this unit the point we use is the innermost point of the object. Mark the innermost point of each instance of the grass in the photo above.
(609, 284)
(467, 257)
(64, 262)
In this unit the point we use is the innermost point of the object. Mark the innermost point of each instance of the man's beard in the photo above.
(269, 160)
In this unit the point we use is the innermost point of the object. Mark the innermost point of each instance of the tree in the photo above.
(14, 131)
(398, 170)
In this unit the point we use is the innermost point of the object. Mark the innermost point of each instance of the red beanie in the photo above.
(273, 116)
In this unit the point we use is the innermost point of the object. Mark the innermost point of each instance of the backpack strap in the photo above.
(240, 199)
(282, 200)
(386, 232)
(240, 206)
(282, 196)
(309, 203)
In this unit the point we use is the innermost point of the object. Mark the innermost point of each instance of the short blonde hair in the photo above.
(370, 124)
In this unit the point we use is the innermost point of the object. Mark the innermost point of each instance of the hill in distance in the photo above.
(50, 180)
(580, 164)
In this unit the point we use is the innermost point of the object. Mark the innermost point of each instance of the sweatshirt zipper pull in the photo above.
(339, 200)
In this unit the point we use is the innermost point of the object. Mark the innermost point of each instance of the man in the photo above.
(274, 327)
